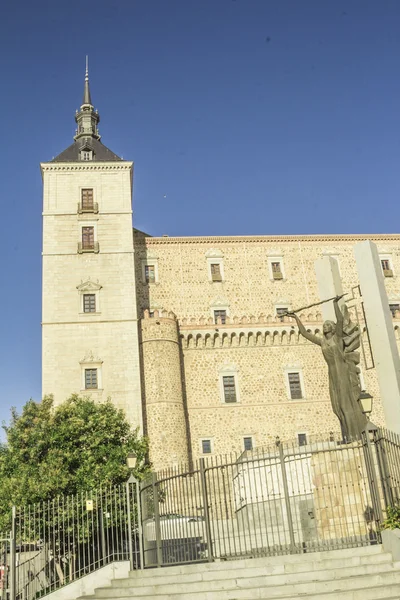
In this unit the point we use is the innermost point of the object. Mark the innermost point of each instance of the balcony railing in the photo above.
(91, 209)
(83, 248)
(277, 275)
(387, 273)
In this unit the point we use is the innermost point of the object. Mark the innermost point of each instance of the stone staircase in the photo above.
(365, 573)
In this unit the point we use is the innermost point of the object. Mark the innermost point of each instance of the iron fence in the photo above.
(285, 498)
(54, 543)
(282, 499)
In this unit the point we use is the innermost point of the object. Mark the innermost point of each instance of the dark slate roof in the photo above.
(101, 152)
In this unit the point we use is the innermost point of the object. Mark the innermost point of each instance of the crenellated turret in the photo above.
(163, 390)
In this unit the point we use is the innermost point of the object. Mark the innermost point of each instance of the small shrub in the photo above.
(393, 518)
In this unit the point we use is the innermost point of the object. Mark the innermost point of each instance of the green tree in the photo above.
(76, 446)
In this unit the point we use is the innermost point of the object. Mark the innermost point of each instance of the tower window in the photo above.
(91, 379)
(149, 273)
(228, 382)
(220, 314)
(216, 274)
(394, 308)
(88, 238)
(87, 199)
(295, 386)
(86, 155)
(89, 303)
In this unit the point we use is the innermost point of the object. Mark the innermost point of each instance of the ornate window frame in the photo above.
(89, 287)
(89, 361)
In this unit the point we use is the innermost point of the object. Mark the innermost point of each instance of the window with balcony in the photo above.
(88, 242)
(87, 204)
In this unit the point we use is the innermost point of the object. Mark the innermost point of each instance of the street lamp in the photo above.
(131, 461)
(365, 401)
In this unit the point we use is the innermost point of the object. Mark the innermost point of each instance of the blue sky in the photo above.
(242, 117)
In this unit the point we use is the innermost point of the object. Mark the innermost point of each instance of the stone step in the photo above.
(233, 570)
(245, 563)
(204, 582)
(386, 583)
(376, 593)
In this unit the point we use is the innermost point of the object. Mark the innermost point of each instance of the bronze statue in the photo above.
(339, 343)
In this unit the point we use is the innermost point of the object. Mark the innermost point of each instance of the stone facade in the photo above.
(254, 344)
(180, 323)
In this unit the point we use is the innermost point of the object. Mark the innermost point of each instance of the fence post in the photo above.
(371, 473)
(384, 472)
(157, 520)
(13, 556)
(140, 529)
(130, 541)
(287, 499)
(102, 536)
(206, 511)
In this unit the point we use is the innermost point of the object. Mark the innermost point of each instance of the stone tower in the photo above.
(90, 329)
(163, 389)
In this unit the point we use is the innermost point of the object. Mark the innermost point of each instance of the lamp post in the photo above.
(365, 400)
(131, 461)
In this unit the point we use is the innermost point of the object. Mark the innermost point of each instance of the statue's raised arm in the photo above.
(315, 339)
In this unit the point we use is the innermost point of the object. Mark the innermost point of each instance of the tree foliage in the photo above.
(76, 446)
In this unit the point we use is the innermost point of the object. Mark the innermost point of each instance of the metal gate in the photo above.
(277, 500)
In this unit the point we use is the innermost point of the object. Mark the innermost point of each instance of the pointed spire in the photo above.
(86, 90)
(87, 118)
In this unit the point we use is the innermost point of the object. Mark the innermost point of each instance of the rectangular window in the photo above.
(149, 273)
(302, 437)
(88, 238)
(206, 446)
(248, 443)
(216, 272)
(87, 199)
(89, 303)
(91, 379)
(394, 308)
(220, 314)
(280, 312)
(228, 382)
(276, 270)
(386, 267)
(295, 386)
